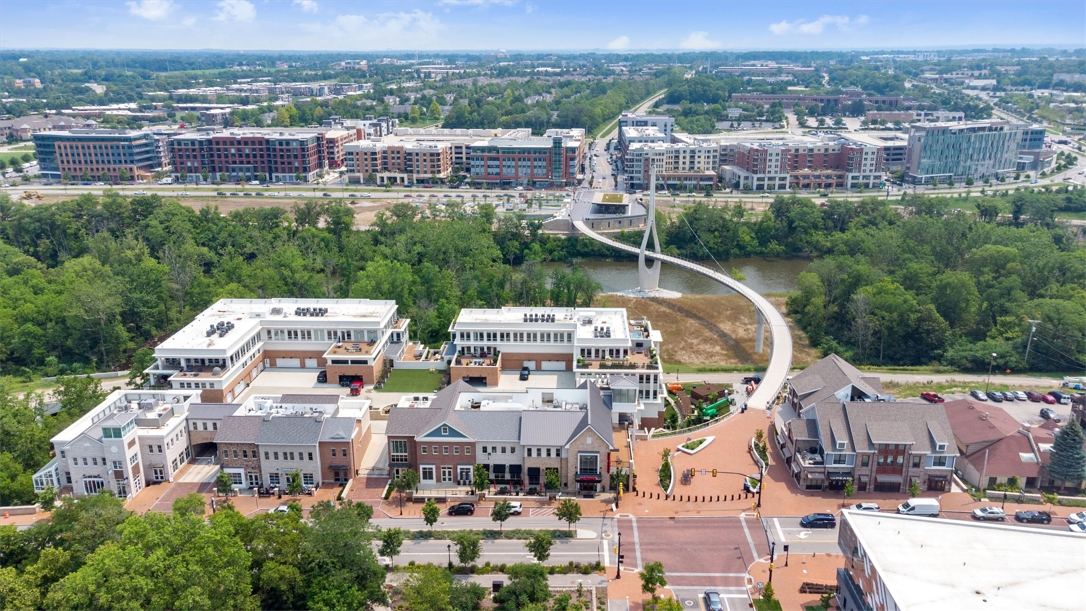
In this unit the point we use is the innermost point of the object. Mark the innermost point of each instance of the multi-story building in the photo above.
(636, 123)
(398, 163)
(24, 128)
(906, 563)
(97, 152)
(600, 345)
(229, 344)
(837, 163)
(459, 140)
(692, 164)
(828, 102)
(908, 116)
(836, 427)
(517, 436)
(281, 156)
(130, 440)
(944, 151)
(552, 160)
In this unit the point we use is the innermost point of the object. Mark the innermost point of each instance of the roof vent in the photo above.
(216, 371)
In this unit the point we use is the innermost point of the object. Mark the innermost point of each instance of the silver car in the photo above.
(1021, 396)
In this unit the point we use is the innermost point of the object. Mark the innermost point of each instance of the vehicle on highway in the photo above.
(352, 195)
(1033, 517)
(818, 520)
(1021, 396)
(220, 193)
(919, 507)
(322, 377)
(713, 602)
(1049, 414)
(326, 195)
(408, 195)
(978, 395)
(234, 193)
(931, 397)
(515, 508)
(1049, 399)
(525, 373)
(258, 193)
(989, 513)
(462, 509)
(996, 397)
(140, 192)
(184, 193)
(367, 195)
(1077, 518)
(1033, 395)
(865, 507)
(99, 184)
(1079, 528)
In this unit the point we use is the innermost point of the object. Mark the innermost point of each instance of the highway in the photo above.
(780, 355)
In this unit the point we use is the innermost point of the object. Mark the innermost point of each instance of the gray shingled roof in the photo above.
(829, 375)
(916, 423)
(239, 429)
(212, 411)
(410, 420)
(310, 399)
(492, 425)
(550, 427)
(337, 429)
(290, 430)
(599, 417)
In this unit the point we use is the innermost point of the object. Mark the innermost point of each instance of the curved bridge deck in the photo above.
(780, 351)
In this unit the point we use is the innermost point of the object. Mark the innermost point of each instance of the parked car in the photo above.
(996, 397)
(1079, 528)
(322, 377)
(356, 388)
(515, 507)
(462, 509)
(865, 507)
(279, 509)
(1077, 518)
(1049, 399)
(818, 520)
(1033, 395)
(931, 397)
(1049, 414)
(1021, 396)
(713, 602)
(1008, 396)
(989, 513)
(220, 193)
(756, 378)
(525, 373)
(978, 395)
(919, 507)
(1061, 397)
(1033, 517)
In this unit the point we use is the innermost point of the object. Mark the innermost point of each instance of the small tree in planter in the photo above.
(223, 483)
(914, 488)
(430, 513)
(850, 490)
(480, 479)
(551, 480)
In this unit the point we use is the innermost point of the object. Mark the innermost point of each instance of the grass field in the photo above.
(612, 198)
(413, 380)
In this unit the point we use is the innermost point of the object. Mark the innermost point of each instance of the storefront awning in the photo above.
(514, 469)
(339, 467)
(839, 475)
(815, 475)
(887, 479)
(937, 478)
(497, 469)
(533, 471)
(588, 478)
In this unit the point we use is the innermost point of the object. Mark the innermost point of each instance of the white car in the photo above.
(1079, 528)
(989, 513)
(515, 508)
(184, 193)
(1021, 396)
(366, 195)
(140, 193)
(279, 509)
(99, 184)
(1077, 518)
(865, 507)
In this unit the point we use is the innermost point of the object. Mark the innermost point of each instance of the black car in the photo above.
(1049, 414)
(525, 373)
(1008, 396)
(996, 397)
(978, 395)
(1033, 517)
(322, 377)
(818, 520)
(757, 379)
(462, 509)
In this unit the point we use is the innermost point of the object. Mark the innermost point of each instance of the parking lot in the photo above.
(1026, 412)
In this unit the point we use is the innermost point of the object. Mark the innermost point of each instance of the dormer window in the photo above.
(444, 430)
(840, 445)
(941, 447)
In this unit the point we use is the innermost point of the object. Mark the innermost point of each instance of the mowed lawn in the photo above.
(413, 380)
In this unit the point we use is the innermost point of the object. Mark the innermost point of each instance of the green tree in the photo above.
(341, 568)
(466, 595)
(141, 360)
(1068, 457)
(652, 578)
(123, 175)
(527, 586)
(427, 589)
(768, 595)
(294, 483)
(391, 541)
(223, 483)
(914, 488)
(414, 114)
(223, 177)
(849, 490)
(501, 512)
(540, 545)
(205, 175)
(190, 504)
(407, 480)
(480, 478)
(435, 110)
(183, 176)
(85, 176)
(47, 499)
(569, 511)
(430, 513)
(551, 479)
(65, 178)
(468, 546)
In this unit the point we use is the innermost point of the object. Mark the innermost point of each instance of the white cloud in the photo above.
(309, 6)
(622, 42)
(188, 22)
(477, 2)
(235, 10)
(155, 10)
(699, 40)
(387, 29)
(801, 26)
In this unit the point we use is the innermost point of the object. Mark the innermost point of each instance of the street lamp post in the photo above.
(991, 361)
(448, 546)
(618, 562)
(772, 556)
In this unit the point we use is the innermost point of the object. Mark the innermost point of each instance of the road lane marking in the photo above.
(670, 574)
(780, 533)
(753, 551)
(637, 543)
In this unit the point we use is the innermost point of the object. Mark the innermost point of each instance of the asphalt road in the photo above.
(787, 531)
(500, 551)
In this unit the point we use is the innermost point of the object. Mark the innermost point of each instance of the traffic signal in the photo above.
(691, 471)
(714, 472)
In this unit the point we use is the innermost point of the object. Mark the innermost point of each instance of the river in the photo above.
(763, 275)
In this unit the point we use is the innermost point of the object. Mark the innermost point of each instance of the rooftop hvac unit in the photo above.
(147, 405)
(276, 311)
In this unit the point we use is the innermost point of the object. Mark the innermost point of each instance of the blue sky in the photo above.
(634, 25)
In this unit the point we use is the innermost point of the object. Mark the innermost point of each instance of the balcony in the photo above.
(636, 360)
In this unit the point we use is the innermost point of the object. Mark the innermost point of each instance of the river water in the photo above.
(763, 275)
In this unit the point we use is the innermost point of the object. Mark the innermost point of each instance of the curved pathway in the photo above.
(780, 351)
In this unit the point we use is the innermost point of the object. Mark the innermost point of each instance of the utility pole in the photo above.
(772, 556)
(1032, 329)
(989, 381)
(618, 562)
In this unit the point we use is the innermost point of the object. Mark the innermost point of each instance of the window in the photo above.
(467, 450)
(214, 426)
(151, 450)
(309, 455)
(397, 449)
(160, 450)
(194, 425)
(840, 459)
(333, 452)
(235, 478)
(446, 473)
(273, 480)
(865, 460)
(529, 452)
(424, 449)
(456, 450)
(938, 461)
(133, 458)
(245, 453)
(503, 449)
(916, 462)
(588, 463)
(445, 450)
(307, 479)
(513, 450)
(343, 452)
(444, 430)
(276, 455)
(434, 448)
(427, 473)
(94, 461)
(235, 453)
(116, 465)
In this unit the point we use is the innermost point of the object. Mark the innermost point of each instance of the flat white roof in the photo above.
(937, 564)
(248, 315)
(511, 315)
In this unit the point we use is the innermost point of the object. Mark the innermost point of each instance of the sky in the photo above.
(538, 25)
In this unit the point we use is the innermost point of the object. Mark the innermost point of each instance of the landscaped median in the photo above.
(696, 445)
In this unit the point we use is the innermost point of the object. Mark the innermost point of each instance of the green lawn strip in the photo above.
(490, 533)
(413, 380)
(905, 390)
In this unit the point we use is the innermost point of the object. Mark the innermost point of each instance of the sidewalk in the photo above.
(821, 569)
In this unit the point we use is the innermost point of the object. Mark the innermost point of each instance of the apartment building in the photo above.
(837, 427)
(24, 128)
(939, 152)
(459, 140)
(398, 163)
(552, 160)
(245, 154)
(229, 344)
(802, 164)
(905, 563)
(97, 152)
(517, 436)
(828, 102)
(690, 165)
(601, 345)
(130, 440)
(632, 125)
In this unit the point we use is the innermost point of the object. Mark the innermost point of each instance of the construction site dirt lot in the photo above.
(708, 330)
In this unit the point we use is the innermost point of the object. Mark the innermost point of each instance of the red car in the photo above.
(931, 397)
(1049, 399)
(356, 388)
